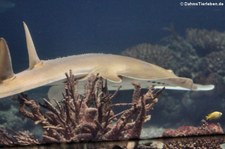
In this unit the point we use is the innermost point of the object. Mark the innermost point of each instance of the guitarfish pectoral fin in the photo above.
(109, 75)
(57, 88)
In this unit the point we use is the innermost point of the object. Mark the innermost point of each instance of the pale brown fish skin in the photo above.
(114, 68)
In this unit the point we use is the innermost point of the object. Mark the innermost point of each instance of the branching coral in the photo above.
(89, 116)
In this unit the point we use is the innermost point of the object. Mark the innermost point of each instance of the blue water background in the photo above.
(61, 28)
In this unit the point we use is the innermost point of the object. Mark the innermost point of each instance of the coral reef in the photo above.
(213, 73)
(200, 56)
(209, 142)
(210, 47)
(194, 143)
(204, 129)
(87, 117)
(156, 54)
(214, 63)
(176, 55)
(205, 41)
(9, 117)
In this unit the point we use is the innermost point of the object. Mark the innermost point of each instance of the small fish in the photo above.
(213, 116)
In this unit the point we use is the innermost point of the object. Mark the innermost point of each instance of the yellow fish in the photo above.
(213, 115)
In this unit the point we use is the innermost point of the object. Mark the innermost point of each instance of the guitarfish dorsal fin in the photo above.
(6, 70)
(33, 57)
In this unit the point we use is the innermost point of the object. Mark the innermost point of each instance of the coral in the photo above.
(86, 117)
(5, 138)
(214, 63)
(9, 115)
(184, 131)
(202, 60)
(8, 119)
(213, 72)
(195, 142)
(156, 54)
(205, 41)
(16, 138)
(176, 55)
